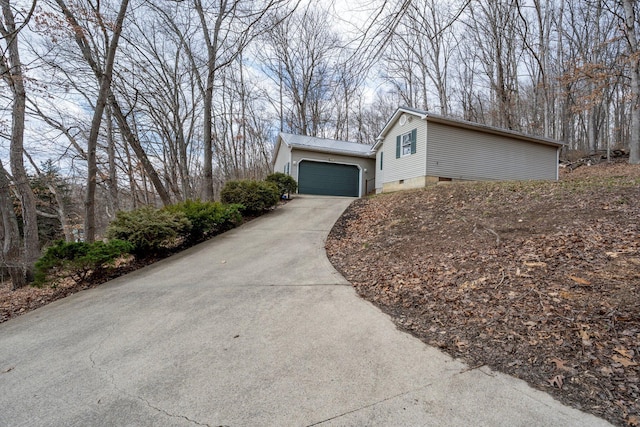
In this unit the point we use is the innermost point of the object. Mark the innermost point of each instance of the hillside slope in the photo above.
(540, 280)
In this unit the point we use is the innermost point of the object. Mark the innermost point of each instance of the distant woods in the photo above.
(112, 105)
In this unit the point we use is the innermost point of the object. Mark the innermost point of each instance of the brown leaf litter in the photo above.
(539, 280)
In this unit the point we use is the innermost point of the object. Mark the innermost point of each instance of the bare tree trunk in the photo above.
(212, 52)
(61, 209)
(145, 187)
(129, 136)
(132, 179)
(208, 141)
(111, 152)
(634, 57)
(11, 250)
(92, 143)
(134, 143)
(184, 168)
(243, 120)
(11, 71)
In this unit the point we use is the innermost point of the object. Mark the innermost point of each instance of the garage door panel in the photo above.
(329, 179)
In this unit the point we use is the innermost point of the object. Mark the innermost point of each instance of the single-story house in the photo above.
(326, 166)
(416, 148)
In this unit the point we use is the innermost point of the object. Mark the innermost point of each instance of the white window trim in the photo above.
(405, 144)
(307, 159)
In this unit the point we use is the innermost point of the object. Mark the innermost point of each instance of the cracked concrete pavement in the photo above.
(252, 328)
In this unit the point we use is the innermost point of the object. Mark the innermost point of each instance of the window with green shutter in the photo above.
(414, 138)
(406, 144)
(381, 158)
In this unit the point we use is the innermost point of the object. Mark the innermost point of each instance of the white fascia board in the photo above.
(392, 121)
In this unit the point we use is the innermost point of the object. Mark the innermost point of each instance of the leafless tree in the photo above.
(104, 75)
(11, 70)
(421, 51)
(302, 66)
(493, 25)
(593, 74)
(11, 245)
(193, 93)
(631, 35)
(235, 24)
(160, 87)
(95, 52)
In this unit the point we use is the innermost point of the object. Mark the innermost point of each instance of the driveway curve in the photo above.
(252, 328)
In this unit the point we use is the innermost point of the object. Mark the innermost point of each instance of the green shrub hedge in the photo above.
(149, 230)
(78, 259)
(207, 218)
(286, 184)
(144, 231)
(254, 196)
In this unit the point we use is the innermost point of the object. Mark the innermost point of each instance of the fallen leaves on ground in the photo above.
(539, 280)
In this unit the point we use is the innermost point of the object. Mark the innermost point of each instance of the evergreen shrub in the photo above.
(149, 230)
(254, 196)
(207, 218)
(78, 259)
(286, 184)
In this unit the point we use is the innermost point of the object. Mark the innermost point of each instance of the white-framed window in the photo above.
(406, 144)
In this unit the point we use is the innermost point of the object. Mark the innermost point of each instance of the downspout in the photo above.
(296, 165)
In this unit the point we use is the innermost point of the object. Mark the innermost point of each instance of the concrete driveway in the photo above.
(253, 328)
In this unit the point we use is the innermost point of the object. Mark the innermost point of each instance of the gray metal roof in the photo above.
(327, 145)
(463, 124)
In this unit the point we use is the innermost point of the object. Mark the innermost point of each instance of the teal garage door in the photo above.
(328, 179)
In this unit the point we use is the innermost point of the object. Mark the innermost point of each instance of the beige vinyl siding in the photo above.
(282, 158)
(367, 181)
(410, 166)
(470, 155)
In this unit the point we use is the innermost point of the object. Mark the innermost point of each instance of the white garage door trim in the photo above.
(306, 159)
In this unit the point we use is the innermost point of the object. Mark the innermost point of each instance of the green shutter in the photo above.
(413, 141)
(381, 157)
(398, 147)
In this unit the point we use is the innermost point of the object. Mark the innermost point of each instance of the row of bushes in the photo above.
(143, 232)
(256, 196)
(148, 231)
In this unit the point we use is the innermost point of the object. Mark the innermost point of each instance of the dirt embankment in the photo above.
(540, 280)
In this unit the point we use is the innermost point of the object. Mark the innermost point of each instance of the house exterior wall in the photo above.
(379, 170)
(367, 179)
(404, 172)
(466, 154)
(282, 162)
(405, 184)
